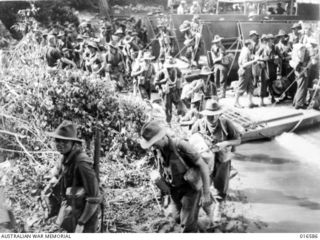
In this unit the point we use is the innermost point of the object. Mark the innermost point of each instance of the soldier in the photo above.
(266, 57)
(168, 83)
(195, 8)
(79, 48)
(145, 74)
(191, 81)
(166, 42)
(192, 43)
(219, 69)
(172, 4)
(280, 9)
(313, 48)
(224, 137)
(61, 40)
(284, 70)
(204, 85)
(44, 40)
(306, 35)
(177, 159)
(254, 36)
(67, 53)
(102, 35)
(295, 36)
(113, 62)
(136, 41)
(135, 65)
(54, 56)
(195, 24)
(245, 83)
(93, 62)
(79, 211)
(193, 114)
(182, 9)
(283, 50)
(301, 73)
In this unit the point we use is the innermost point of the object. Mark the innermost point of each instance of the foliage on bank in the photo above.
(33, 101)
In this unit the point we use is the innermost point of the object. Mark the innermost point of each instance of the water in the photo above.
(280, 179)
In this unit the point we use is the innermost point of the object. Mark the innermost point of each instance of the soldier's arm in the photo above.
(137, 72)
(103, 63)
(195, 128)
(233, 135)
(91, 186)
(69, 62)
(193, 158)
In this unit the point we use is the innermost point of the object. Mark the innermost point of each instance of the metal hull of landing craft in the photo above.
(254, 125)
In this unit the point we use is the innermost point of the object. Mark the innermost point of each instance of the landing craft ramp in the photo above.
(268, 122)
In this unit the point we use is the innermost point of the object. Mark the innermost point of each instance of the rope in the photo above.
(290, 73)
(236, 41)
(180, 51)
(314, 95)
(155, 38)
(297, 125)
(240, 33)
(303, 71)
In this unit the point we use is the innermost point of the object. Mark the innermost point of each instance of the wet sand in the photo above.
(281, 187)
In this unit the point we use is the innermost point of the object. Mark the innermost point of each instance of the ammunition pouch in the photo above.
(141, 80)
(66, 218)
(51, 200)
(76, 195)
(193, 177)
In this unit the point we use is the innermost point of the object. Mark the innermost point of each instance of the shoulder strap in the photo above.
(223, 124)
(173, 144)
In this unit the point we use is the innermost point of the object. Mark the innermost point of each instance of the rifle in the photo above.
(96, 160)
(50, 198)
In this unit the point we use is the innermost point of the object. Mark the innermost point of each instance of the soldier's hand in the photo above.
(79, 228)
(222, 145)
(206, 199)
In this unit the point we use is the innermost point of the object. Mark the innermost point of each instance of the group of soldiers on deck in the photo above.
(284, 65)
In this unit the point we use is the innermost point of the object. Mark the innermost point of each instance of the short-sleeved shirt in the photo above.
(293, 39)
(245, 56)
(220, 51)
(52, 56)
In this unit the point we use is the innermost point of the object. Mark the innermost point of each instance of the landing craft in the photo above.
(233, 19)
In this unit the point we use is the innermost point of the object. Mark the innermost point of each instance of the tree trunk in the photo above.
(96, 153)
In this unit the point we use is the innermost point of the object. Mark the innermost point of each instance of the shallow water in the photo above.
(280, 179)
